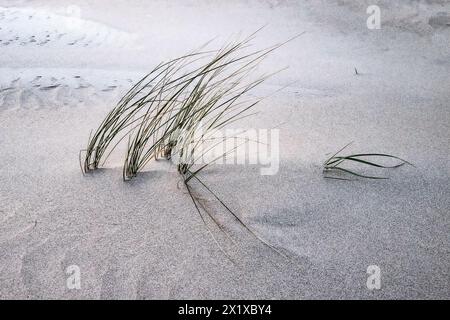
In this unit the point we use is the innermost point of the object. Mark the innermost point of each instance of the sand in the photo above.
(63, 67)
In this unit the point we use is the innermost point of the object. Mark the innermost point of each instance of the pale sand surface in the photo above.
(144, 239)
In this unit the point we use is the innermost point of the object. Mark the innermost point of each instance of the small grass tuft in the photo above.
(334, 167)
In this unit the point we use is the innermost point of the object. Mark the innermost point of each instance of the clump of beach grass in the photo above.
(165, 108)
(161, 115)
(137, 105)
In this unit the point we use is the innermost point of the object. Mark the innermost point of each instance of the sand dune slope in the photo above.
(62, 68)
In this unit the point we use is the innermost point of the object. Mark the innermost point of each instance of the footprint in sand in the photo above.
(34, 91)
(109, 88)
(46, 28)
(51, 87)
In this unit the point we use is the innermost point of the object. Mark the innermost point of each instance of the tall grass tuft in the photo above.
(163, 113)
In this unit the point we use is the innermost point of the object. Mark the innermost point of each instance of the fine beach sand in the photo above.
(62, 68)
